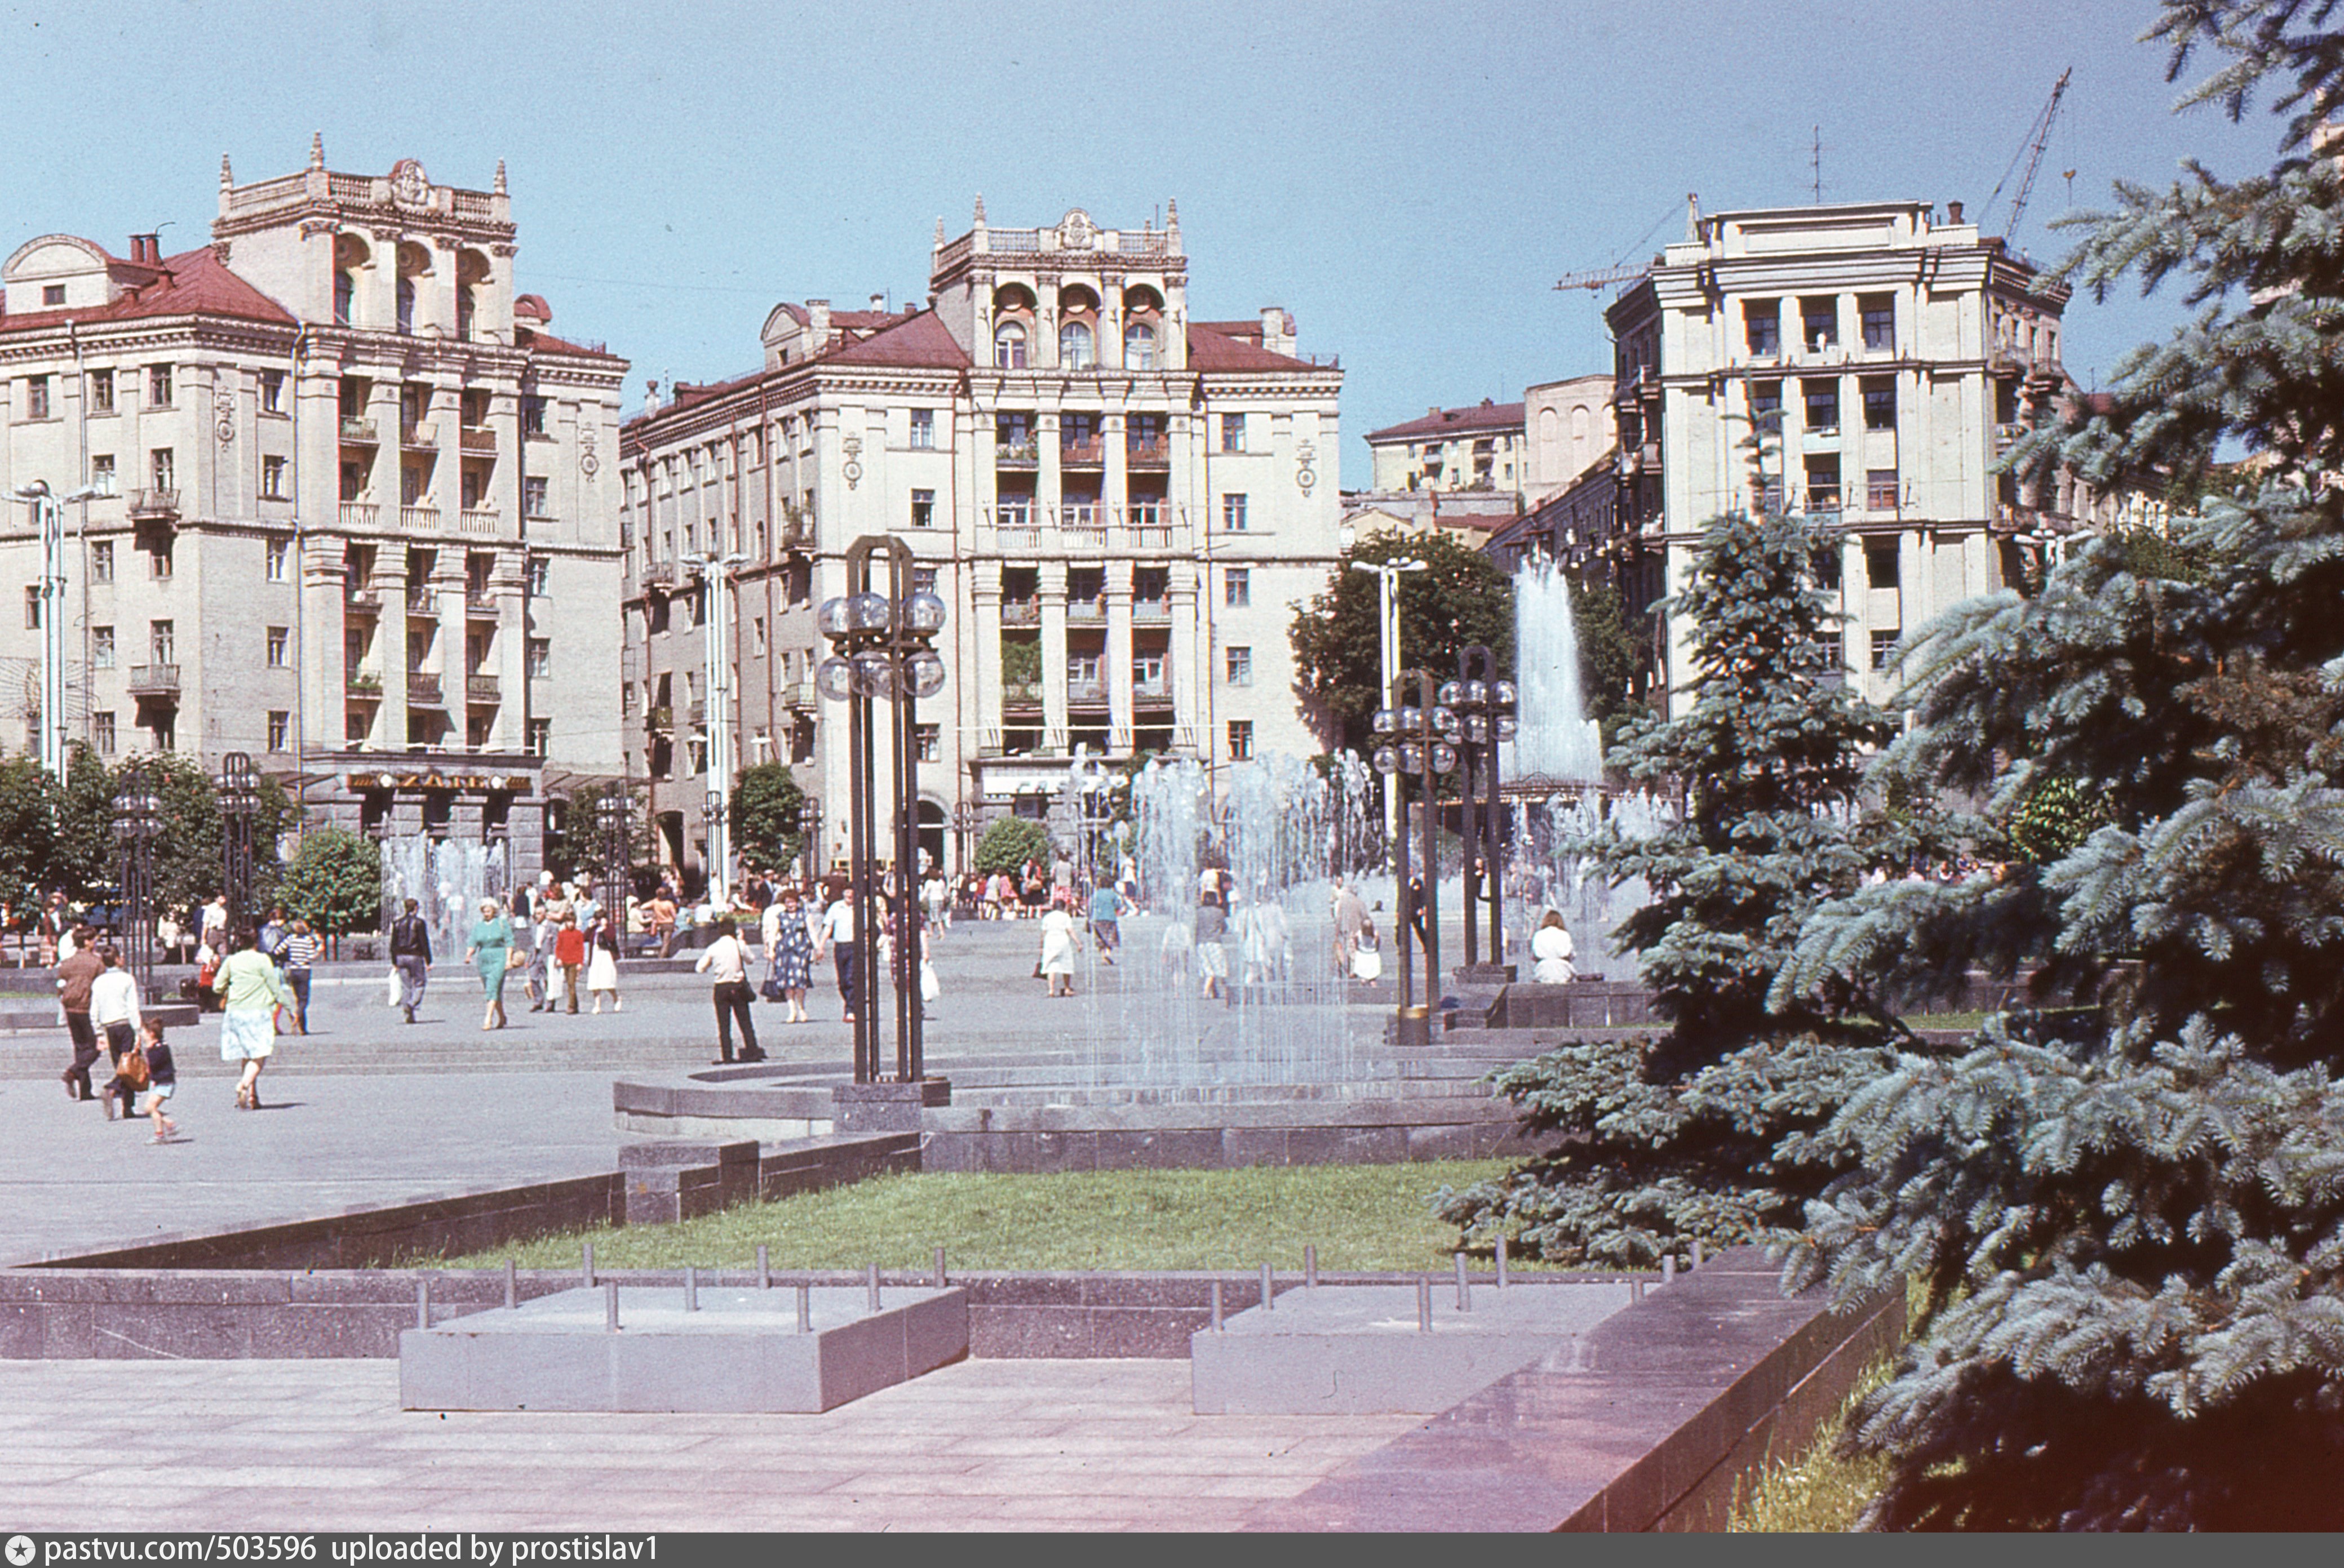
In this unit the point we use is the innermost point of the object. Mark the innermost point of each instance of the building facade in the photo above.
(1480, 448)
(1119, 505)
(1567, 431)
(357, 512)
(1864, 363)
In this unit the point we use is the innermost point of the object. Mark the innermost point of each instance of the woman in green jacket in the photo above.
(250, 992)
(491, 943)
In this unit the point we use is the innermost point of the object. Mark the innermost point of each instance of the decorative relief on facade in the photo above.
(506, 251)
(852, 470)
(409, 186)
(589, 463)
(1304, 456)
(223, 417)
(220, 251)
(311, 228)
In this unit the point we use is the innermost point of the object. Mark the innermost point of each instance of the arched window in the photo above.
(1009, 347)
(1075, 347)
(464, 312)
(1139, 346)
(407, 304)
(345, 287)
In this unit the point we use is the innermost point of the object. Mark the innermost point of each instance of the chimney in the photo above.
(817, 324)
(147, 248)
(1952, 212)
(878, 305)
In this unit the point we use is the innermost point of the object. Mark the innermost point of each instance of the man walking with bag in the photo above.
(410, 955)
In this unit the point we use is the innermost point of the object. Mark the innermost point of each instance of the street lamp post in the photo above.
(968, 817)
(611, 816)
(239, 798)
(1485, 709)
(810, 834)
(138, 823)
(880, 650)
(1387, 574)
(1095, 790)
(49, 522)
(715, 573)
(1417, 738)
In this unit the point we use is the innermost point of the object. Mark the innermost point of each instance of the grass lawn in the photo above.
(1363, 1217)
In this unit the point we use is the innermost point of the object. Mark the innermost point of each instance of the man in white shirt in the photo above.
(726, 962)
(838, 940)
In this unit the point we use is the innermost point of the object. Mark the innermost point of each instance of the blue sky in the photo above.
(1409, 179)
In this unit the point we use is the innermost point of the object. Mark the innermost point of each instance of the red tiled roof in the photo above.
(193, 282)
(530, 337)
(1211, 349)
(917, 342)
(1454, 422)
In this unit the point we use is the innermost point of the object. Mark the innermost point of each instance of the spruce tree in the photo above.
(2128, 1216)
(1707, 1130)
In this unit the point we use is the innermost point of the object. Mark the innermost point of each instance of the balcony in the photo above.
(659, 574)
(1021, 612)
(479, 601)
(695, 712)
(366, 685)
(1021, 694)
(480, 688)
(660, 716)
(476, 438)
(1089, 693)
(1087, 612)
(361, 596)
(422, 599)
(1155, 454)
(422, 691)
(1015, 455)
(798, 694)
(154, 506)
(1151, 693)
(360, 430)
(418, 436)
(420, 520)
(155, 680)
(1088, 454)
(360, 515)
(476, 521)
(1149, 523)
(1014, 527)
(1083, 526)
(1151, 612)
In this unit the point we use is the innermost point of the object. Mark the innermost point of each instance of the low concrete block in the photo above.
(740, 1352)
(1357, 1349)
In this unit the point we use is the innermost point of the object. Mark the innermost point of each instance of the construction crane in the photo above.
(1600, 278)
(2032, 151)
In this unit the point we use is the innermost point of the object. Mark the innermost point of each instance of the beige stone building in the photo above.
(358, 514)
(1119, 504)
(1864, 362)
(1567, 429)
(1480, 448)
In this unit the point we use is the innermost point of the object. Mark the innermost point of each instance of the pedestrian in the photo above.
(537, 939)
(490, 951)
(662, 919)
(53, 924)
(212, 928)
(789, 948)
(938, 893)
(602, 964)
(297, 954)
(251, 990)
(1106, 917)
(1060, 944)
(1212, 958)
(114, 1012)
(726, 963)
(75, 977)
(569, 958)
(273, 932)
(1550, 951)
(1350, 919)
(837, 939)
(162, 1080)
(410, 955)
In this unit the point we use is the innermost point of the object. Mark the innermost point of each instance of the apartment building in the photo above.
(356, 514)
(1480, 448)
(1119, 505)
(1865, 362)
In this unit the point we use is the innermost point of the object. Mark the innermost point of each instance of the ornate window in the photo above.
(1075, 347)
(1009, 347)
(1139, 346)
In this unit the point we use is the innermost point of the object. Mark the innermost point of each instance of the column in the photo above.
(1053, 589)
(1187, 633)
(981, 692)
(1118, 655)
(511, 589)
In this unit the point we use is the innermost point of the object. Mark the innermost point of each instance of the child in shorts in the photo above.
(162, 1080)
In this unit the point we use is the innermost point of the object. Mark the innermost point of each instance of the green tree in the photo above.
(577, 846)
(766, 800)
(1459, 599)
(1708, 1131)
(28, 831)
(86, 858)
(1009, 843)
(189, 867)
(2127, 1219)
(335, 882)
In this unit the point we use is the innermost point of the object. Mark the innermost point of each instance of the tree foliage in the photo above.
(2128, 1220)
(1460, 599)
(334, 881)
(1009, 843)
(766, 800)
(28, 833)
(1710, 1131)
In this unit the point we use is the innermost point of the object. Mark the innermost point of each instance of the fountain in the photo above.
(1556, 742)
(447, 877)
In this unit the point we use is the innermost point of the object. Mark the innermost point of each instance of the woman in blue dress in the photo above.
(491, 943)
(792, 955)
